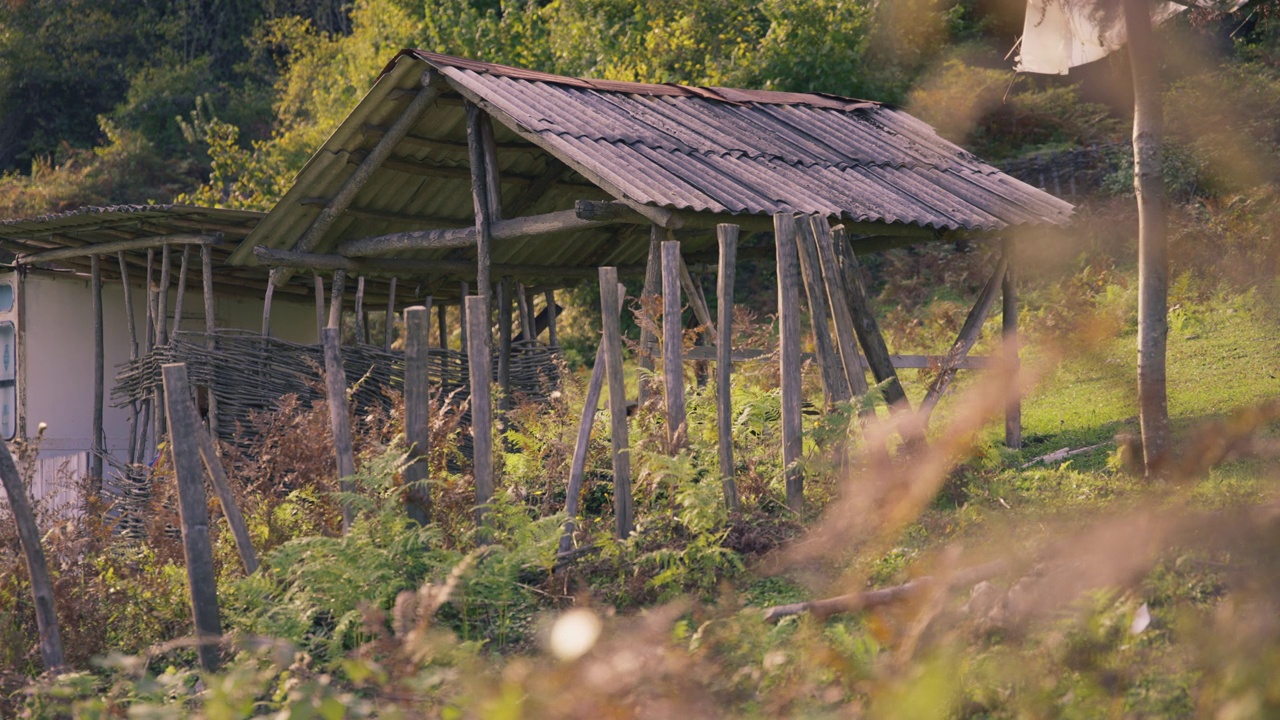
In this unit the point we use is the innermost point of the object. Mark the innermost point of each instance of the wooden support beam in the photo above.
(649, 298)
(835, 383)
(964, 341)
(537, 188)
(837, 300)
(97, 449)
(1009, 328)
(553, 310)
(352, 185)
(789, 355)
(321, 317)
(493, 184)
(115, 246)
(391, 317)
(266, 306)
(408, 268)
(611, 316)
(479, 363)
(132, 328)
(227, 499)
(697, 301)
(526, 316)
(442, 317)
(480, 179)
(336, 301)
(727, 237)
(339, 416)
(515, 228)
(162, 297)
(504, 345)
(417, 421)
(50, 639)
(673, 348)
(210, 324)
(388, 216)
(865, 325)
(193, 512)
(182, 289)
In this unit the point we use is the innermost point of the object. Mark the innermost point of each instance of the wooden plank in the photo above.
(611, 317)
(210, 324)
(227, 499)
(480, 198)
(479, 363)
(1009, 328)
(968, 336)
(577, 469)
(99, 378)
(727, 237)
(417, 421)
(846, 338)
(116, 246)
(336, 300)
(354, 182)
(835, 384)
(321, 320)
(789, 355)
(193, 512)
(649, 297)
(866, 327)
(504, 342)
(389, 326)
(339, 416)
(673, 348)
(361, 329)
(182, 288)
(50, 638)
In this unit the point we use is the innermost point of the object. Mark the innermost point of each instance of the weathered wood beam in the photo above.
(789, 355)
(407, 268)
(480, 195)
(351, 187)
(727, 237)
(49, 638)
(113, 246)
(96, 444)
(964, 341)
(388, 216)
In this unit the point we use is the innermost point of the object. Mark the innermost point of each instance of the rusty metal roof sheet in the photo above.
(716, 151)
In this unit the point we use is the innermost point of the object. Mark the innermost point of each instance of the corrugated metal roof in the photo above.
(717, 151)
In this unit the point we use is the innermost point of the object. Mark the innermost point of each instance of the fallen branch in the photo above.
(857, 602)
(1062, 454)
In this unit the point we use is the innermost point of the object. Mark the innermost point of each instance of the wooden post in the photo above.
(727, 235)
(391, 317)
(648, 297)
(480, 195)
(611, 315)
(832, 282)
(182, 289)
(697, 301)
(162, 300)
(266, 304)
(335, 301)
(504, 342)
(968, 336)
(1009, 325)
(526, 315)
(321, 317)
(227, 499)
(479, 361)
(193, 511)
(442, 318)
(210, 325)
(553, 337)
(577, 471)
(864, 322)
(673, 347)
(339, 416)
(361, 330)
(462, 316)
(132, 329)
(417, 396)
(835, 384)
(784, 228)
(29, 537)
(99, 372)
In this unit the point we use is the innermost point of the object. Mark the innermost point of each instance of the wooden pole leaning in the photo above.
(339, 416)
(227, 499)
(846, 340)
(611, 315)
(210, 324)
(480, 364)
(99, 371)
(835, 382)
(727, 236)
(1009, 326)
(865, 325)
(193, 511)
(50, 639)
(969, 333)
(526, 314)
(417, 422)
(577, 470)
(182, 289)
(673, 348)
(789, 355)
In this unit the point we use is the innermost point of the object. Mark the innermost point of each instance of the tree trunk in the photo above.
(1153, 255)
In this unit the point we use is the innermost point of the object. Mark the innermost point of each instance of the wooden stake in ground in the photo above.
(727, 235)
(784, 228)
(339, 417)
(673, 348)
(227, 498)
(1009, 326)
(184, 425)
(611, 317)
(29, 537)
(835, 384)
(417, 394)
(480, 363)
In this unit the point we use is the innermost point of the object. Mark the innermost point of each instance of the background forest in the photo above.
(1108, 597)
